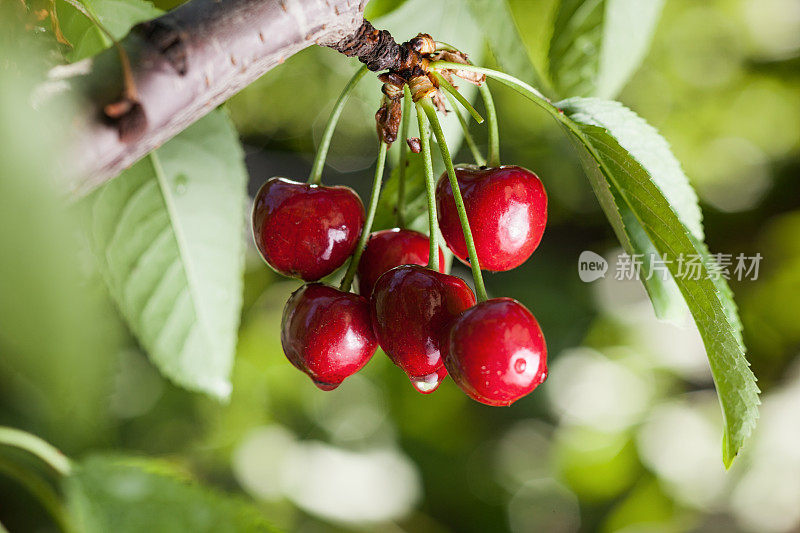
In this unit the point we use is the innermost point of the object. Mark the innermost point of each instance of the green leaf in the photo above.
(667, 300)
(652, 196)
(648, 147)
(504, 39)
(117, 16)
(168, 237)
(664, 295)
(125, 495)
(597, 44)
(379, 8)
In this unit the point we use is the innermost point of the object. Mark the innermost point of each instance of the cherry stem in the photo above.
(473, 147)
(32, 444)
(430, 184)
(449, 89)
(477, 277)
(408, 104)
(347, 281)
(494, 130)
(322, 152)
(506, 79)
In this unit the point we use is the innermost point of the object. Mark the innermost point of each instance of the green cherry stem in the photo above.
(322, 152)
(449, 89)
(494, 129)
(473, 147)
(506, 79)
(347, 281)
(32, 444)
(430, 111)
(408, 106)
(430, 184)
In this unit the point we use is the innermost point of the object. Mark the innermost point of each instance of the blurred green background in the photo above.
(625, 435)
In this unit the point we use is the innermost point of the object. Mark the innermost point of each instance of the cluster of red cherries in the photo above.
(426, 321)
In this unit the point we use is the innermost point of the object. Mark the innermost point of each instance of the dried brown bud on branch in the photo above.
(387, 120)
(392, 92)
(423, 43)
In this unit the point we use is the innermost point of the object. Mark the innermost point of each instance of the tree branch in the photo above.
(185, 63)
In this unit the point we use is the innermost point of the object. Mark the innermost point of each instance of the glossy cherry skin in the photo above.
(327, 333)
(496, 352)
(306, 231)
(507, 212)
(412, 309)
(390, 248)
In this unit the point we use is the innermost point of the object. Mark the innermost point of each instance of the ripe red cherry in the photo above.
(496, 352)
(390, 248)
(327, 333)
(507, 212)
(412, 307)
(306, 231)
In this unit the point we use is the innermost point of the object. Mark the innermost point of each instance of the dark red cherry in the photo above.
(306, 231)
(327, 333)
(412, 307)
(507, 211)
(390, 248)
(496, 352)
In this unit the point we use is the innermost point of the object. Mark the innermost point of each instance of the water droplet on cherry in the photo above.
(427, 384)
(520, 365)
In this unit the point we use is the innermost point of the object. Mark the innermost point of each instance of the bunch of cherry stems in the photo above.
(426, 114)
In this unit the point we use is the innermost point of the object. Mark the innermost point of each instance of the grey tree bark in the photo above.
(184, 64)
